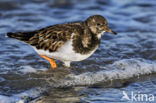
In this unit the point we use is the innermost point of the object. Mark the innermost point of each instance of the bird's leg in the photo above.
(51, 61)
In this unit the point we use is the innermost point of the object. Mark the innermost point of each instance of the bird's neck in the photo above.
(89, 31)
(86, 42)
(89, 38)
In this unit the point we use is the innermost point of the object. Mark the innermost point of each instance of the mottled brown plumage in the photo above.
(85, 35)
(51, 38)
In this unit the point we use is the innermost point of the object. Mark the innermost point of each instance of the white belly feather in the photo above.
(65, 53)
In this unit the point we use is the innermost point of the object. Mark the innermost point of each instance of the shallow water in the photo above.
(126, 62)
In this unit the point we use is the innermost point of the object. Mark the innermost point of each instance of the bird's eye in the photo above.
(98, 24)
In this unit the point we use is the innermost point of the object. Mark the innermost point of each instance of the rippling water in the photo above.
(126, 62)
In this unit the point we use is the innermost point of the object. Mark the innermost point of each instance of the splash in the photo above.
(123, 69)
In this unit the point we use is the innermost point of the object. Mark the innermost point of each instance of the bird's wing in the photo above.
(51, 38)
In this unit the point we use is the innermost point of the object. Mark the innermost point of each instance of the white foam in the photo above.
(122, 69)
(28, 69)
(7, 99)
(6, 36)
(22, 97)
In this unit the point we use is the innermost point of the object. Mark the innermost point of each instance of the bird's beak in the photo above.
(110, 31)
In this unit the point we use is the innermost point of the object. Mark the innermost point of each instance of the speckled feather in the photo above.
(53, 37)
(81, 38)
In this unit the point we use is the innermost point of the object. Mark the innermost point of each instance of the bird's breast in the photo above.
(65, 53)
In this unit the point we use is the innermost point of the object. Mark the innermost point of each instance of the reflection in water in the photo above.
(24, 76)
(61, 96)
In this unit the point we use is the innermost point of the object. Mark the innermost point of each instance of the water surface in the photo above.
(126, 62)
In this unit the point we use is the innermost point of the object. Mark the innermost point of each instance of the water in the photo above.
(126, 62)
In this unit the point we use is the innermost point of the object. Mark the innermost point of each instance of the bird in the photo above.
(67, 42)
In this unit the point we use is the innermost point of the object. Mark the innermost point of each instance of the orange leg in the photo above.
(51, 61)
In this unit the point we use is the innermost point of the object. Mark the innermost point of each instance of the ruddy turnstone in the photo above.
(67, 42)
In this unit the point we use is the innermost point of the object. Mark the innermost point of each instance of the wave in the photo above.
(23, 97)
(123, 69)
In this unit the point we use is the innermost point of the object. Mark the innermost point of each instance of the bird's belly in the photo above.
(65, 53)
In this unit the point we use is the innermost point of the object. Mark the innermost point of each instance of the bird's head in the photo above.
(98, 25)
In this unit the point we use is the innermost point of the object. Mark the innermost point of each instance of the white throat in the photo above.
(100, 34)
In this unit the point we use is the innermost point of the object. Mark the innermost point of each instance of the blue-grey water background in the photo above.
(126, 62)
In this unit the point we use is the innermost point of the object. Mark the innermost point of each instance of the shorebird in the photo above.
(74, 41)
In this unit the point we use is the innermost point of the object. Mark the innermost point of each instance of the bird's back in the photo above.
(49, 38)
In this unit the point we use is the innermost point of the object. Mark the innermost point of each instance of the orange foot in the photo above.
(51, 61)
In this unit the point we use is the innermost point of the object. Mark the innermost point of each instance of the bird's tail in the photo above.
(23, 36)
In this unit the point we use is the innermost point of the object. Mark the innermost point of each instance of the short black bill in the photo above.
(113, 32)
(110, 31)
